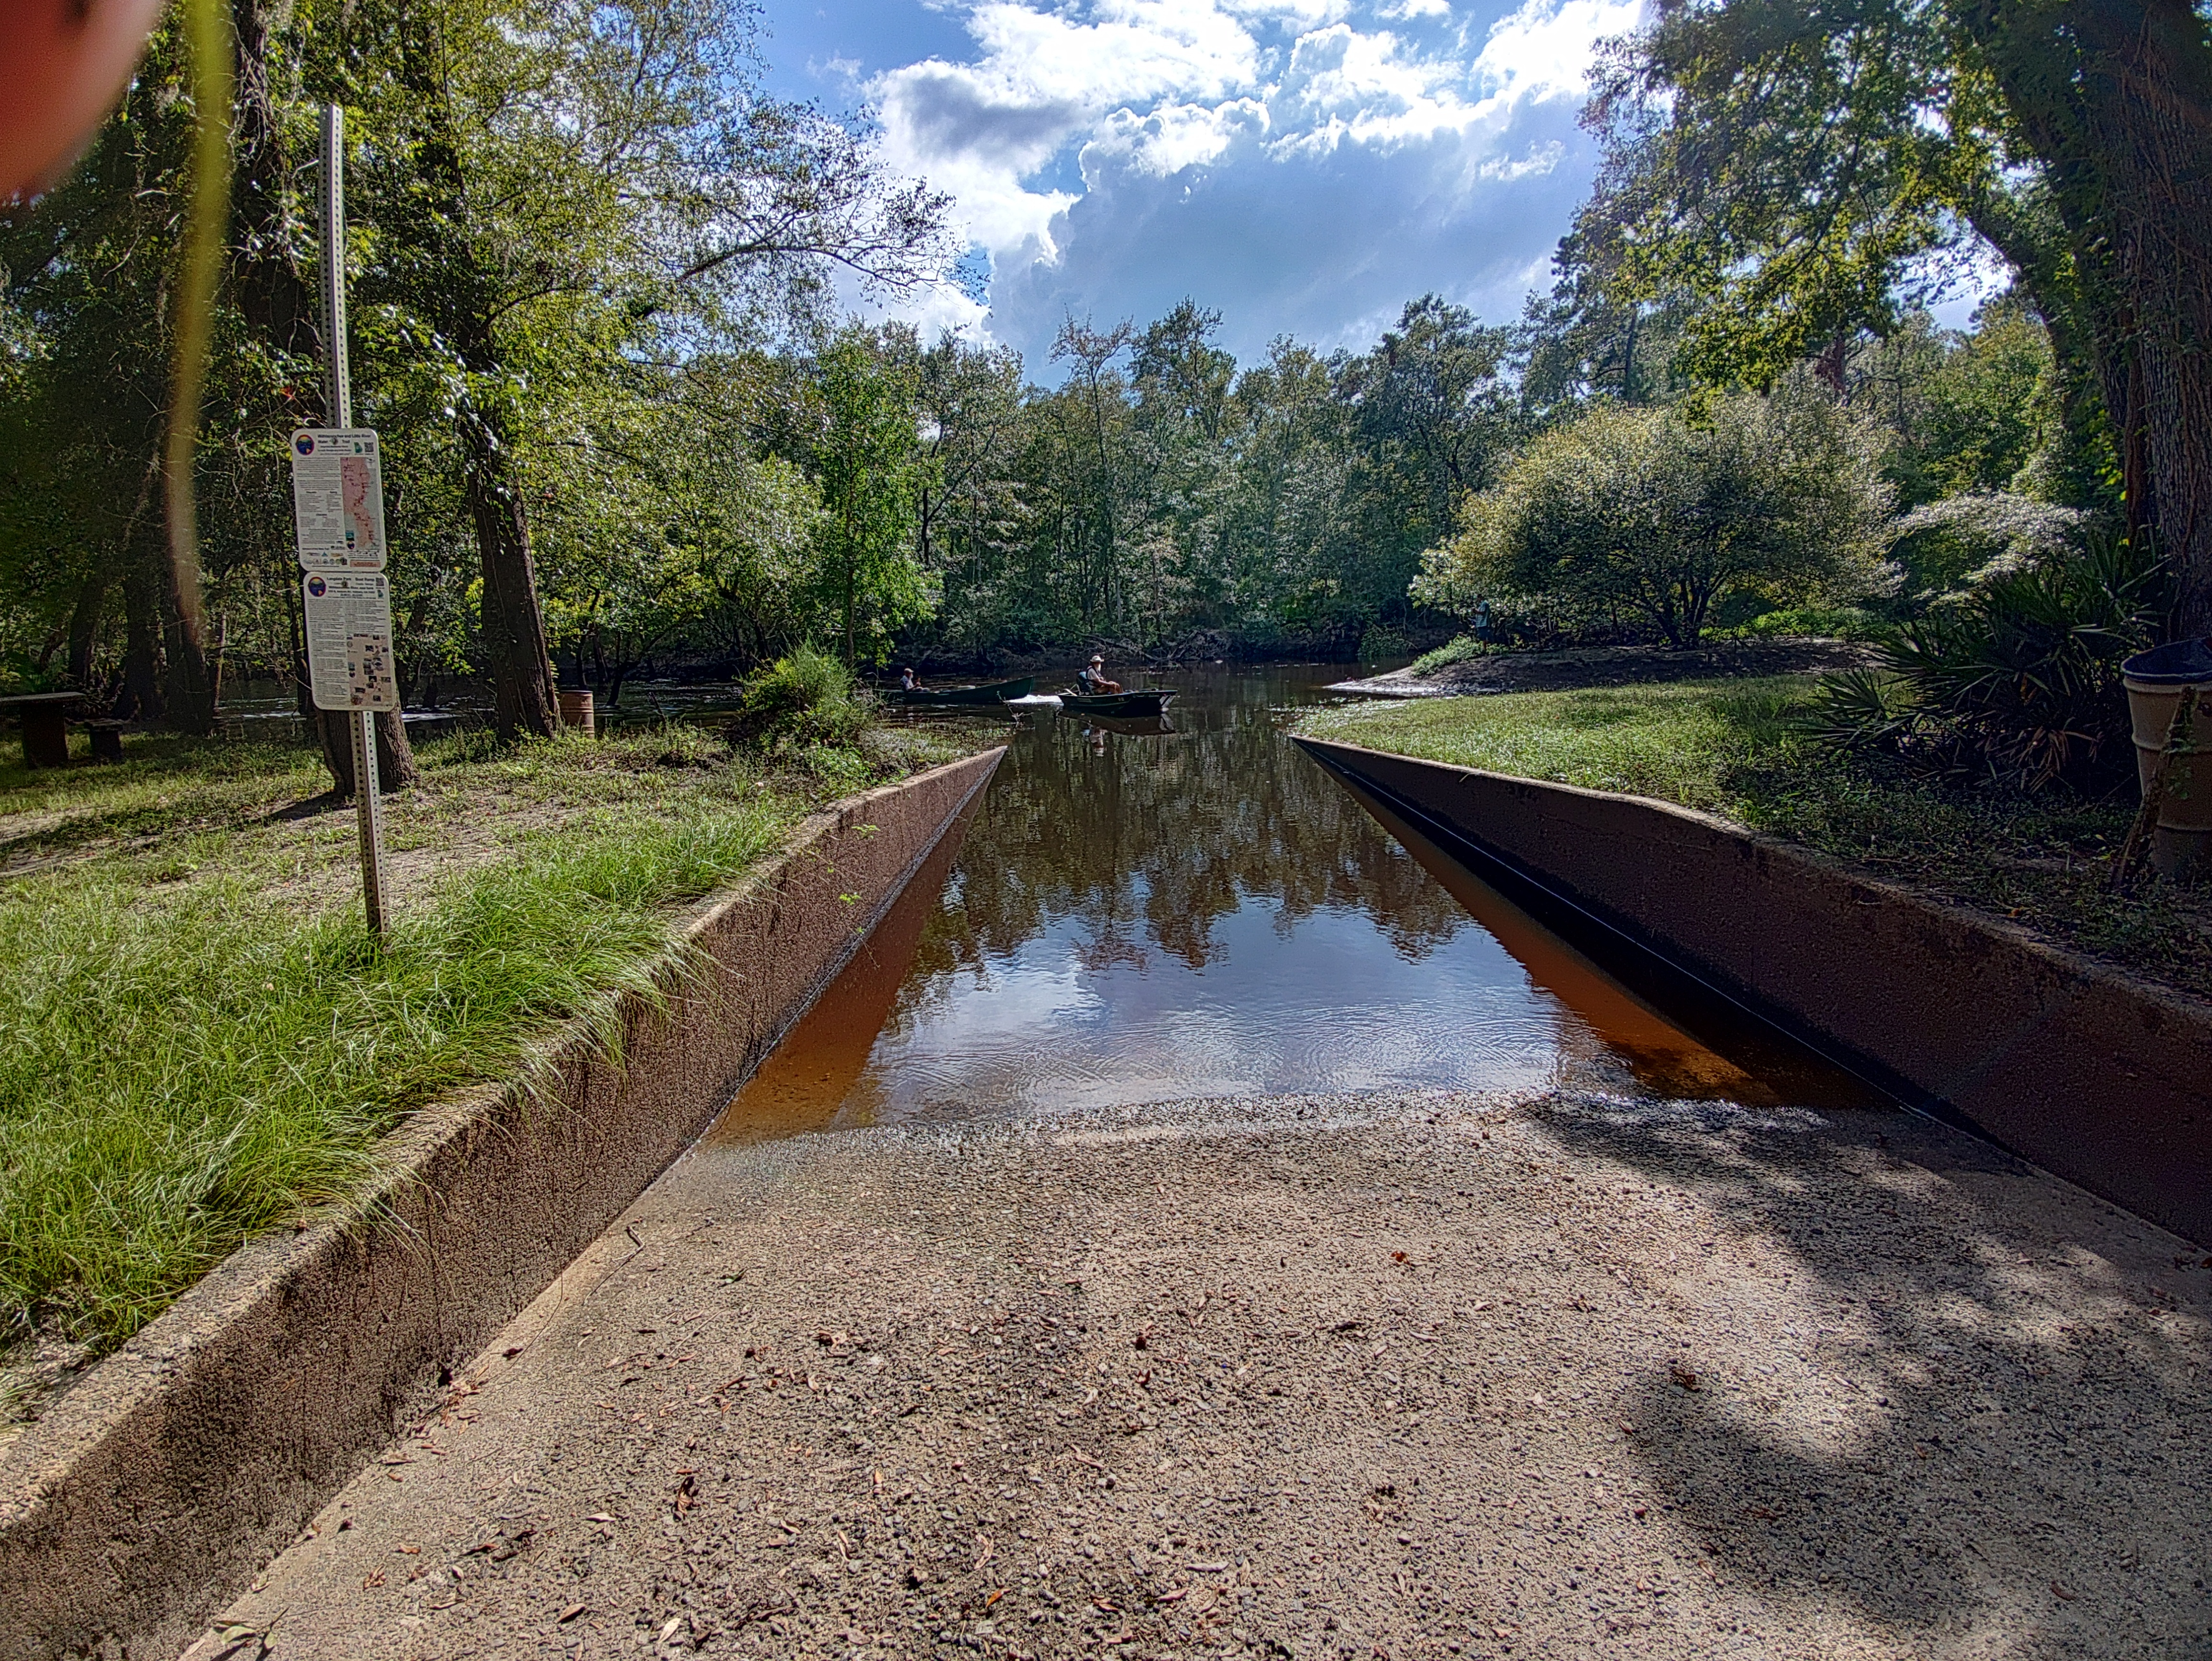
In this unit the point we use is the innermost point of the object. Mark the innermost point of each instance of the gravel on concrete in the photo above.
(1448, 1374)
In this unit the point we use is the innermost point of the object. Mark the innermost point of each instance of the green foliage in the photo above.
(1460, 648)
(197, 1042)
(1164, 495)
(2017, 680)
(808, 698)
(659, 525)
(873, 470)
(1947, 544)
(1803, 175)
(567, 224)
(1832, 622)
(1984, 413)
(1663, 514)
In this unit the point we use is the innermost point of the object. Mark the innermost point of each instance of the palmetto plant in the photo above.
(2016, 679)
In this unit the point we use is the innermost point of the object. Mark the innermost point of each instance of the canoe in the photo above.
(960, 697)
(1151, 702)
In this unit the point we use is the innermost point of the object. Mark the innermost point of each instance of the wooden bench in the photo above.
(46, 728)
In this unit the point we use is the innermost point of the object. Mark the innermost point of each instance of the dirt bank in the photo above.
(1609, 666)
(1400, 1377)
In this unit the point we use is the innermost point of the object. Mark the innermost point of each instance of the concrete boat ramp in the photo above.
(1372, 1376)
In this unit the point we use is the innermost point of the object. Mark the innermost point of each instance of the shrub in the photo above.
(1830, 622)
(807, 699)
(1460, 648)
(1963, 539)
(2016, 679)
(1663, 516)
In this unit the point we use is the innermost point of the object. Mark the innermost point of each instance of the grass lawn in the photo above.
(197, 1040)
(1727, 746)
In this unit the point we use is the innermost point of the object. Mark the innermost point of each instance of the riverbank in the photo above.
(200, 1044)
(1727, 747)
(1465, 670)
(1431, 1375)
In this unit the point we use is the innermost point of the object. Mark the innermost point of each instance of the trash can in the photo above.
(576, 711)
(2181, 841)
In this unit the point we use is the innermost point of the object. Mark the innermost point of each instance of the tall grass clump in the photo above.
(806, 699)
(182, 1070)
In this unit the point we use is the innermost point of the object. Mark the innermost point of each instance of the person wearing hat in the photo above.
(1093, 680)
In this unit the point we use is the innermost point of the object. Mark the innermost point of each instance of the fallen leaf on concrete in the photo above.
(235, 1643)
(1685, 1375)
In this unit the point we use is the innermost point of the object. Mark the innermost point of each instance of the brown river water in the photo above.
(1138, 914)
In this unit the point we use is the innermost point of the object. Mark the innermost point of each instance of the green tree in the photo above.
(558, 193)
(972, 521)
(1800, 168)
(872, 471)
(655, 517)
(1651, 511)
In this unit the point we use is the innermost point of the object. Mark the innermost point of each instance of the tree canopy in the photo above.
(1800, 172)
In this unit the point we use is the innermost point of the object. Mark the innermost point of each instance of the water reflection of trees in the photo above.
(1152, 840)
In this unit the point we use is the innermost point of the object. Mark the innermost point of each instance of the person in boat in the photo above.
(1093, 680)
(906, 681)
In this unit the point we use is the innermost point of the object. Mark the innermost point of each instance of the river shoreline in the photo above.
(1608, 666)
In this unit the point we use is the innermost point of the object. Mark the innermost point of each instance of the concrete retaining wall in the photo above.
(2101, 1078)
(167, 1477)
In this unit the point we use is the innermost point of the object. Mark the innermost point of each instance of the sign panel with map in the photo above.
(350, 663)
(337, 499)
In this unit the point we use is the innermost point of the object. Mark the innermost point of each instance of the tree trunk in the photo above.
(2116, 97)
(396, 766)
(84, 628)
(524, 700)
(851, 575)
(142, 659)
(189, 691)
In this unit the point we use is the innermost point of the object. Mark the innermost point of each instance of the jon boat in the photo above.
(958, 698)
(1125, 704)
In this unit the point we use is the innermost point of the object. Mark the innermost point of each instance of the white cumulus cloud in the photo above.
(1359, 141)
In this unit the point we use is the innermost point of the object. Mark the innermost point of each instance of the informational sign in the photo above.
(337, 499)
(350, 641)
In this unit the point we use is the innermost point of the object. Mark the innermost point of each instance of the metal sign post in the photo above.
(360, 711)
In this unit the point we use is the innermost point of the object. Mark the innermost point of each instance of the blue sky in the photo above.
(1304, 166)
